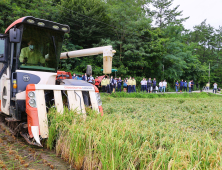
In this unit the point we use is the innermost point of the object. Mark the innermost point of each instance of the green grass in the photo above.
(164, 132)
(160, 95)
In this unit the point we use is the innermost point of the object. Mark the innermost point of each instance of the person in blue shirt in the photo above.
(115, 83)
(74, 76)
(125, 85)
(79, 77)
(181, 85)
(192, 85)
(149, 82)
(185, 85)
(85, 78)
(119, 84)
(176, 86)
(154, 85)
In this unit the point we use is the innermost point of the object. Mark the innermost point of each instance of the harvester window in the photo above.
(38, 51)
(2, 46)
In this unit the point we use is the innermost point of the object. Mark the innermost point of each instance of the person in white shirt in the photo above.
(160, 86)
(215, 87)
(190, 86)
(164, 85)
(143, 85)
(91, 79)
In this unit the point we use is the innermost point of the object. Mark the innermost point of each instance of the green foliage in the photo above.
(164, 15)
(208, 49)
(11, 10)
(168, 51)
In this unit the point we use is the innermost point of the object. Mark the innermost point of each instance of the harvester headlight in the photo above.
(32, 102)
(42, 24)
(31, 94)
(64, 29)
(55, 27)
(98, 99)
(30, 21)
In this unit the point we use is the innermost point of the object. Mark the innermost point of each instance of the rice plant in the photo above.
(142, 133)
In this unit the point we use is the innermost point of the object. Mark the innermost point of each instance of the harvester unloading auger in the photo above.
(30, 82)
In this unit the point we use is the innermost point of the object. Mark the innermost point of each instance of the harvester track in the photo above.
(16, 153)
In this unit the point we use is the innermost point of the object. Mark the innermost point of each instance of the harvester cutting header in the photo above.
(30, 82)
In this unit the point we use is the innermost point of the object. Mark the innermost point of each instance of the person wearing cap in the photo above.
(119, 84)
(133, 85)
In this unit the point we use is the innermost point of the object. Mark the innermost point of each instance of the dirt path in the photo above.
(16, 154)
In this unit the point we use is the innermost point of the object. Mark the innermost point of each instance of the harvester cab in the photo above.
(30, 83)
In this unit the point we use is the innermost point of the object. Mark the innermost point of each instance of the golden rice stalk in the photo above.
(170, 164)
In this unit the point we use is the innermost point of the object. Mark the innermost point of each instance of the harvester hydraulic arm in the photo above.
(107, 52)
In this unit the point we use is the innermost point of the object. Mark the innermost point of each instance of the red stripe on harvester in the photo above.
(14, 23)
(32, 113)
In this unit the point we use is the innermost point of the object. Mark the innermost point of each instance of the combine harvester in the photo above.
(30, 82)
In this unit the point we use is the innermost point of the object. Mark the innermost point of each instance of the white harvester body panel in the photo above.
(5, 94)
(75, 100)
(46, 78)
(5, 89)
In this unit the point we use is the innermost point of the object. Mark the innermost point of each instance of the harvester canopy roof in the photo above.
(39, 22)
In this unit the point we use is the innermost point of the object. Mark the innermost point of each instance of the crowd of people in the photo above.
(184, 84)
(111, 84)
(84, 77)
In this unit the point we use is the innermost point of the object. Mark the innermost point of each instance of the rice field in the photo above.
(178, 131)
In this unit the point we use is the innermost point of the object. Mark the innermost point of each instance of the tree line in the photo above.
(148, 35)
